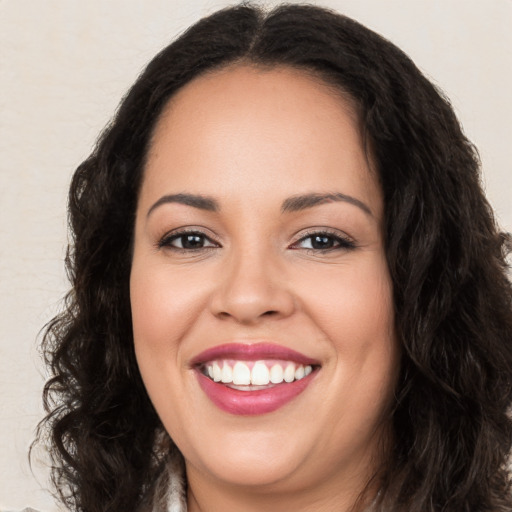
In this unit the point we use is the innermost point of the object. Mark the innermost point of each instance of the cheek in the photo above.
(353, 306)
(353, 303)
(164, 304)
(165, 307)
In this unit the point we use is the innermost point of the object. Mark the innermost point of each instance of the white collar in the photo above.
(170, 491)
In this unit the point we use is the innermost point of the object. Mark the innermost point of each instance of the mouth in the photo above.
(253, 379)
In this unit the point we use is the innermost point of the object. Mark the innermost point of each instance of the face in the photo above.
(261, 299)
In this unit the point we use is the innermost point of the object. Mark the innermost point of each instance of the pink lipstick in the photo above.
(253, 379)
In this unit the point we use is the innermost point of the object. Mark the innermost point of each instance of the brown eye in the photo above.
(191, 241)
(187, 241)
(324, 242)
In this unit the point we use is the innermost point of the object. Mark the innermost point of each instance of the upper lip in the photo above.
(252, 352)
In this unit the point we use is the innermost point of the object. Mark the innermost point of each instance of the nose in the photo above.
(252, 288)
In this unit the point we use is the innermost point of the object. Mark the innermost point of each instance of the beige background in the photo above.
(65, 64)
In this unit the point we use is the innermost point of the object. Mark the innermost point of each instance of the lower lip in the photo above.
(260, 401)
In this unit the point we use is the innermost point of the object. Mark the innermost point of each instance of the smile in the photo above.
(252, 375)
(253, 379)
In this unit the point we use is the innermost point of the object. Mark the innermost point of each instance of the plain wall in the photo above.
(64, 66)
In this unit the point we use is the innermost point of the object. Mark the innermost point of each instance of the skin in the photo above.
(252, 138)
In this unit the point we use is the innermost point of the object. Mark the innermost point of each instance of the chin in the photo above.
(251, 458)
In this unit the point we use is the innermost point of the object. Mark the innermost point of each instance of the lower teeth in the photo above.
(249, 388)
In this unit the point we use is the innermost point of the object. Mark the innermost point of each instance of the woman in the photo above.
(288, 289)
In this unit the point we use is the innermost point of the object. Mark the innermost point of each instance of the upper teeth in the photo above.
(262, 373)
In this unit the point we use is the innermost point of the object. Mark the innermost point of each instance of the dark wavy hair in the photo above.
(446, 256)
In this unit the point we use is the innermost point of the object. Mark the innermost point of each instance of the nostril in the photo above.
(225, 314)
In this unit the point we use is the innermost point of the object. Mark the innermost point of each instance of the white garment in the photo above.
(27, 509)
(177, 498)
(170, 490)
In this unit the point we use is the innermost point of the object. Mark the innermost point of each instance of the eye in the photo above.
(324, 241)
(187, 241)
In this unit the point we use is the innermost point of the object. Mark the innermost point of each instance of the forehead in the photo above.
(245, 127)
(259, 95)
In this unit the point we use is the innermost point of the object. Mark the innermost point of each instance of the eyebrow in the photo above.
(197, 201)
(292, 204)
(302, 202)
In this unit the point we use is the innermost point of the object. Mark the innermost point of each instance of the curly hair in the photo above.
(446, 256)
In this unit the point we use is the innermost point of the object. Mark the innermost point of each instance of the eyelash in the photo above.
(166, 241)
(339, 242)
(342, 242)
